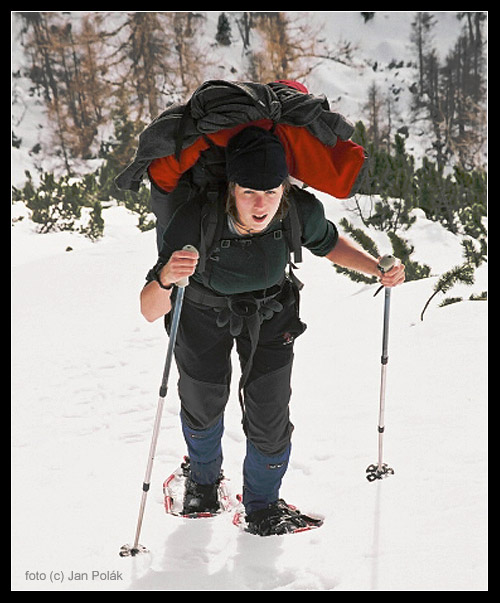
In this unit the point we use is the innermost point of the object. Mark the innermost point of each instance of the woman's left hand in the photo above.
(395, 276)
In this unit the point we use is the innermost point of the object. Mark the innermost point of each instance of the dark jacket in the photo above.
(241, 264)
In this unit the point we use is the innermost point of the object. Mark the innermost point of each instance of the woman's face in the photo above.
(256, 209)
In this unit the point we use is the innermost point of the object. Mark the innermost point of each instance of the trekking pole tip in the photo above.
(374, 472)
(130, 551)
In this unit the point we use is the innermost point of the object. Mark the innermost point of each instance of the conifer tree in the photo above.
(450, 96)
(67, 64)
(223, 35)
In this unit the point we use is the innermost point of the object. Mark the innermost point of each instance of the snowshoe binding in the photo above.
(184, 497)
(277, 518)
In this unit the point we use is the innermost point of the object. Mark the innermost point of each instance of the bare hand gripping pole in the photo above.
(381, 470)
(127, 550)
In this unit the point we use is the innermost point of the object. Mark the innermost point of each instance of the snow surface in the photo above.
(86, 368)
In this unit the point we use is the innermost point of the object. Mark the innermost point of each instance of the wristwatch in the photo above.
(157, 270)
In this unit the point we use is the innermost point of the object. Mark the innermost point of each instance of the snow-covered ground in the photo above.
(86, 369)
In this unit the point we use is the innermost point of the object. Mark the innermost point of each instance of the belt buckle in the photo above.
(243, 306)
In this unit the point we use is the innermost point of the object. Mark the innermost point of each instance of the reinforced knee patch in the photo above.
(267, 418)
(202, 403)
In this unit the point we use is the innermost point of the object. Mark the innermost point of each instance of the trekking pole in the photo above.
(126, 550)
(381, 470)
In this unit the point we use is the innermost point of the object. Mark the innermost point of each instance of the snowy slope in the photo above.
(86, 371)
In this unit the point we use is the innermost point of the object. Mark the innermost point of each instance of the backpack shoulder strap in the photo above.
(292, 227)
(293, 230)
(212, 224)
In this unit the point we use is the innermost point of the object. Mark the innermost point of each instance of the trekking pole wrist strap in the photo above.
(157, 272)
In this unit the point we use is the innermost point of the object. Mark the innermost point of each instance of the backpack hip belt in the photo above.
(238, 308)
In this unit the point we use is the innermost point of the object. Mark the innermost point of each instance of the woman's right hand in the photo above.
(181, 265)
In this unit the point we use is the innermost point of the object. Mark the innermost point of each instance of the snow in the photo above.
(86, 368)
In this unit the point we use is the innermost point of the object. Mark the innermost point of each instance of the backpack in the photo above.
(183, 150)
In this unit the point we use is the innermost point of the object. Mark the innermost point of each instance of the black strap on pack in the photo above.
(181, 130)
(292, 227)
(293, 231)
(212, 225)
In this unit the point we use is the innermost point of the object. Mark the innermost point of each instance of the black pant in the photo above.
(203, 356)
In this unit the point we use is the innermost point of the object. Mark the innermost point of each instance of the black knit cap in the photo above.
(255, 158)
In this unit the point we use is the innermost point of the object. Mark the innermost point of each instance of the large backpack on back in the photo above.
(183, 150)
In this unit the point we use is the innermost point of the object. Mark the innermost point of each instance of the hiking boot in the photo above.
(276, 519)
(200, 499)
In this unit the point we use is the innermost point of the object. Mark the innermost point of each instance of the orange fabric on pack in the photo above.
(331, 170)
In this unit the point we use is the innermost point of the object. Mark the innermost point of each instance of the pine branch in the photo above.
(459, 274)
(361, 237)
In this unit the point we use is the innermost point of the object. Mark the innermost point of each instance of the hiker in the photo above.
(242, 295)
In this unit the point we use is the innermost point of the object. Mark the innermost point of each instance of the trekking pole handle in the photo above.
(386, 263)
(184, 282)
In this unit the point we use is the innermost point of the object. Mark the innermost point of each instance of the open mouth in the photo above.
(259, 219)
